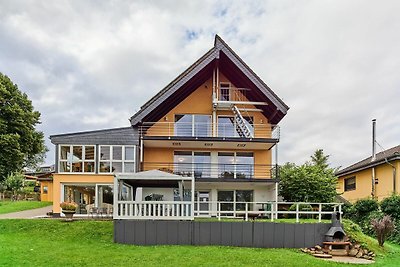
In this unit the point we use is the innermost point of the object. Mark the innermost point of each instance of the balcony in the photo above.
(215, 170)
(204, 130)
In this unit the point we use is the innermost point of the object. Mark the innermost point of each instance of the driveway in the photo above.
(27, 214)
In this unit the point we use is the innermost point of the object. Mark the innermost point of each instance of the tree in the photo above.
(310, 182)
(319, 159)
(21, 144)
(15, 183)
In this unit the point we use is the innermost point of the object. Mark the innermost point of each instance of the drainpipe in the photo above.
(394, 175)
(373, 158)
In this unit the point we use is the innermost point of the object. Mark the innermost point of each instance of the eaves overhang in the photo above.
(367, 166)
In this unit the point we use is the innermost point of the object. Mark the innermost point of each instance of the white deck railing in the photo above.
(154, 210)
(271, 210)
(182, 210)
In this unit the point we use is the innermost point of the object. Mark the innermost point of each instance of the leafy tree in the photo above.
(15, 183)
(310, 182)
(21, 144)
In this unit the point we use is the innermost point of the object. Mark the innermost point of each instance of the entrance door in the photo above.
(203, 203)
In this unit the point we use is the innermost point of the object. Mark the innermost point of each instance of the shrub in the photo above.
(365, 224)
(364, 207)
(349, 211)
(391, 206)
(382, 227)
(68, 206)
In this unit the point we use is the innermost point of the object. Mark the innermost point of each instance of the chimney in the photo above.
(373, 140)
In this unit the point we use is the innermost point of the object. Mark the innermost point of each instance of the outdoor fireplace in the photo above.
(335, 239)
(336, 232)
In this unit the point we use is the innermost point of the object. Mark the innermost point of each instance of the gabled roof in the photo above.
(389, 154)
(231, 65)
(115, 136)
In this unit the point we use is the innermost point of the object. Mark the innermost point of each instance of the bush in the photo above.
(382, 227)
(365, 224)
(391, 206)
(302, 207)
(349, 211)
(363, 208)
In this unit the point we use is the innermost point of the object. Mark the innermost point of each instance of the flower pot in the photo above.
(68, 214)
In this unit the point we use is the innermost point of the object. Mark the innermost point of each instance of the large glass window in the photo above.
(77, 158)
(244, 165)
(226, 196)
(244, 196)
(238, 165)
(91, 198)
(117, 159)
(183, 163)
(188, 162)
(202, 164)
(227, 126)
(226, 167)
(192, 125)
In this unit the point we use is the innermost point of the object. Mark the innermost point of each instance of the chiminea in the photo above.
(335, 233)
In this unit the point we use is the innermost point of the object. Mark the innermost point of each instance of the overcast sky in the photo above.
(90, 65)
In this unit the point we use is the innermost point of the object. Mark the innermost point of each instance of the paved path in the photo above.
(27, 214)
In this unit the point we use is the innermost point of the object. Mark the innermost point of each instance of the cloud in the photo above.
(90, 65)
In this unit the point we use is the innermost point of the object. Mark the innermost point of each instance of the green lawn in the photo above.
(89, 243)
(13, 206)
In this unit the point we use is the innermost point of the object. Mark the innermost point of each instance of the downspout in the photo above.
(394, 175)
(373, 158)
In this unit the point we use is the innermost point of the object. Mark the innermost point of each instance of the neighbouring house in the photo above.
(201, 145)
(356, 181)
(43, 177)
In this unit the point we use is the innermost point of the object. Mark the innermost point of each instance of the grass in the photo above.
(89, 243)
(13, 206)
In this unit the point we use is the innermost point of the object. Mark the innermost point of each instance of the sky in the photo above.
(90, 65)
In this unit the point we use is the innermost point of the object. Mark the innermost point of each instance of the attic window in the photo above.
(224, 90)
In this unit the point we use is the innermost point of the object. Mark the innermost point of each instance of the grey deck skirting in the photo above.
(239, 234)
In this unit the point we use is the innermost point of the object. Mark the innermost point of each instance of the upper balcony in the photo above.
(196, 134)
(227, 96)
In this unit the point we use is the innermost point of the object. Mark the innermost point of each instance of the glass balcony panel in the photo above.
(183, 125)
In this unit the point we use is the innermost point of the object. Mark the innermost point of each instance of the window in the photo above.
(236, 165)
(117, 159)
(350, 184)
(188, 162)
(192, 125)
(77, 158)
(224, 91)
(227, 126)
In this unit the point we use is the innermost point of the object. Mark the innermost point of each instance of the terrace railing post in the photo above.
(319, 212)
(219, 211)
(340, 212)
(297, 212)
(247, 215)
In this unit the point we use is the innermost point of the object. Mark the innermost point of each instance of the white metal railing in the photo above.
(182, 210)
(205, 129)
(271, 210)
(166, 210)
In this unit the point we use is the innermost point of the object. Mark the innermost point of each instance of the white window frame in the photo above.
(235, 162)
(209, 132)
(122, 160)
(70, 160)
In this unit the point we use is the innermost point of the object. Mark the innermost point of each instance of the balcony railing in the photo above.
(226, 130)
(233, 94)
(214, 170)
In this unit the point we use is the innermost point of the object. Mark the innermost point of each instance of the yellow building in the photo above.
(357, 182)
(216, 124)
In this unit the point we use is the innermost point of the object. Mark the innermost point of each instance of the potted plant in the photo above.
(69, 209)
